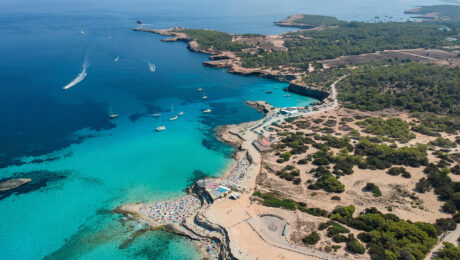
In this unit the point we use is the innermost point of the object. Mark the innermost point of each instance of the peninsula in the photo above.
(371, 172)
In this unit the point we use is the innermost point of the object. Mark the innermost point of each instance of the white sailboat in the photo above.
(112, 115)
(181, 113)
(161, 127)
(156, 114)
(116, 59)
(173, 117)
(207, 111)
(200, 89)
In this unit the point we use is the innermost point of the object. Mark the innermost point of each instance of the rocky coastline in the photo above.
(197, 228)
(230, 61)
(289, 22)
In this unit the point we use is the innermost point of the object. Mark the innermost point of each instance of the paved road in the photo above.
(275, 115)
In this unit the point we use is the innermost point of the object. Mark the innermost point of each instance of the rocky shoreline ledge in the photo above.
(231, 62)
(211, 239)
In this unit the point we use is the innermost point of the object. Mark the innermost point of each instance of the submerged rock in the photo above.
(12, 184)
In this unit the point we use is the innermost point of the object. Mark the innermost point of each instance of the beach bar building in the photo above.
(263, 145)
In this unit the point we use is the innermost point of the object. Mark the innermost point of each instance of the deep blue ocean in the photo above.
(82, 164)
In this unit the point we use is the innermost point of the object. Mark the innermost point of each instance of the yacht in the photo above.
(116, 59)
(152, 67)
(181, 113)
(157, 115)
(200, 89)
(205, 97)
(173, 117)
(112, 115)
(207, 111)
(268, 91)
(160, 128)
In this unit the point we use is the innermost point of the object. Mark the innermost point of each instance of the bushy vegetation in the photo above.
(316, 20)
(445, 224)
(444, 187)
(271, 200)
(323, 157)
(348, 39)
(354, 246)
(326, 181)
(284, 157)
(311, 239)
(399, 171)
(443, 143)
(382, 156)
(219, 41)
(448, 252)
(297, 142)
(337, 142)
(289, 173)
(315, 211)
(387, 236)
(412, 86)
(432, 125)
(373, 188)
(393, 127)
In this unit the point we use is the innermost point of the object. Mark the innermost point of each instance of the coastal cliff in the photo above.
(306, 91)
(230, 61)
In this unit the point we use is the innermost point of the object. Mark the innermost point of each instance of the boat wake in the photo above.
(81, 76)
(152, 67)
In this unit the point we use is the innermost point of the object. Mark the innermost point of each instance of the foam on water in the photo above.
(152, 67)
(80, 77)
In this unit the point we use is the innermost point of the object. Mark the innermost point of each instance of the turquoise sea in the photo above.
(83, 165)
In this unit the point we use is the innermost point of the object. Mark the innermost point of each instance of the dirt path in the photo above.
(449, 237)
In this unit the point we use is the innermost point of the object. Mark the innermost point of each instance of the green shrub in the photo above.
(270, 200)
(448, 252)
(393, 127)
(339, 239)
(336, 229)
(443, 142)
(374, 189)
(354, 246)
(311, 239)
(445, 224)
(285, 156)
(335, 198)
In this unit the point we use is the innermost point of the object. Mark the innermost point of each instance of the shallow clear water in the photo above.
(82, 164)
